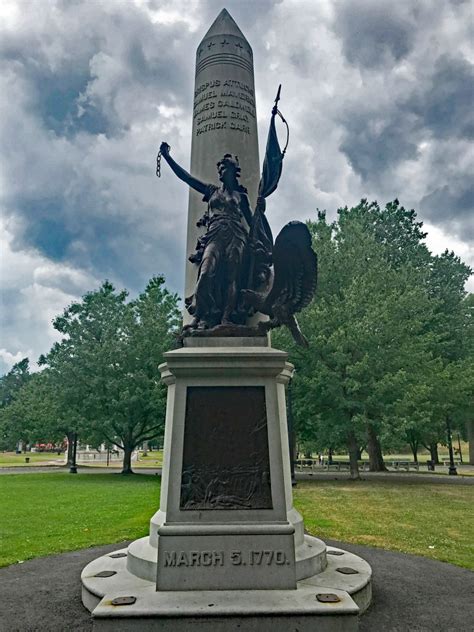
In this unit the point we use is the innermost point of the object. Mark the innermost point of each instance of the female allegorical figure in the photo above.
(221, 251)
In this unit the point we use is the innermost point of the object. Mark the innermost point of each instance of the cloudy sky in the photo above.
(378, 95)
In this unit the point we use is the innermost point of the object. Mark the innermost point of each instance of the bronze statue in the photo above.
(241, 270)
(221, 252)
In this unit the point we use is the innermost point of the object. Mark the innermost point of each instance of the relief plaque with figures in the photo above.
(225, 459)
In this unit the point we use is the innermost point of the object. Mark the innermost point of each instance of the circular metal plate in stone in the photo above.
(115, 555)
(335, 552)
(105, 574)
(327, 598)
(123, 601)
(345, 570)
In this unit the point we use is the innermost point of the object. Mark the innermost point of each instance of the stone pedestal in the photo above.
(226, 547)
(226, 505)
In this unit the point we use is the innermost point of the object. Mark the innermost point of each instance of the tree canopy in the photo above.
(387, 320)
(106, 366)
(101, 379)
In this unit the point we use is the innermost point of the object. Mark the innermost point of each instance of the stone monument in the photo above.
(227, 550)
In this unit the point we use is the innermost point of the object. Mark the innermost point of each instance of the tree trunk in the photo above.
(449, 434)
(127, 459)
(414, 451)
(70, 448)
(330, 453)
(434, 456)
(470, 438)
(353, 448)
(376, 462)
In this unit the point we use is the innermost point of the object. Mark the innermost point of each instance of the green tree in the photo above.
(453, 384)
(36, 412)
(13, 381)
(10, 386)
(374, 330)
(468, 305)
(106, 366)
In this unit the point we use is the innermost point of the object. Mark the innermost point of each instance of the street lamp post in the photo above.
(452, 468)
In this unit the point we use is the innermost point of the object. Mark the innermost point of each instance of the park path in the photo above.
(394, 477)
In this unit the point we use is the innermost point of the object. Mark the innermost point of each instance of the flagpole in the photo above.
(275, 107)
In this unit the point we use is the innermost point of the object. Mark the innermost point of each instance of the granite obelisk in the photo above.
(224, 120)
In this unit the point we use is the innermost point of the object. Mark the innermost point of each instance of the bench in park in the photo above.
(309, 465)
(302, 465)
(337, 465)
(397, 465)
(332, 466)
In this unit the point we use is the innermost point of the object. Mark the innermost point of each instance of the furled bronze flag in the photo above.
(273, 162)
(261, 236)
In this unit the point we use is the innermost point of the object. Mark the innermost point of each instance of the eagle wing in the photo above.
(295, 267)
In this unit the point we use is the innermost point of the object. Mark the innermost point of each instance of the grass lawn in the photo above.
(11, 459)
(152, 459)
(42, 514)
(432, 520)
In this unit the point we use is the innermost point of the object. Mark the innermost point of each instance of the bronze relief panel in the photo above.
(225, 456)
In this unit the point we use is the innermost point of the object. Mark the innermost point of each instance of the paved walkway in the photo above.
(399, 477)
(411, 594)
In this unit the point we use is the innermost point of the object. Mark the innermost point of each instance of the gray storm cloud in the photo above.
(377, 95)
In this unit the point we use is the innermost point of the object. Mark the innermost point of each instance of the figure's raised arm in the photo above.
(182, 174)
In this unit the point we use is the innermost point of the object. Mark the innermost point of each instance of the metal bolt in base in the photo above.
(123, 601)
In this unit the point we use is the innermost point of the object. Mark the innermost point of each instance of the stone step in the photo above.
(226, 611)
(334, 578)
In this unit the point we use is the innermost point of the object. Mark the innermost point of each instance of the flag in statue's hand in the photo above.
(261, 236)
(273, 162)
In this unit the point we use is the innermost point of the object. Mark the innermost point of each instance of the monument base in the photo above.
(303, 609)
(227, 549)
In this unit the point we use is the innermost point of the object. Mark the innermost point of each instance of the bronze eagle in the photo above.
(295, 269)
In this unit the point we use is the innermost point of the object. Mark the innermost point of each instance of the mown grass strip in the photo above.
(433, 520)
(42, 514)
